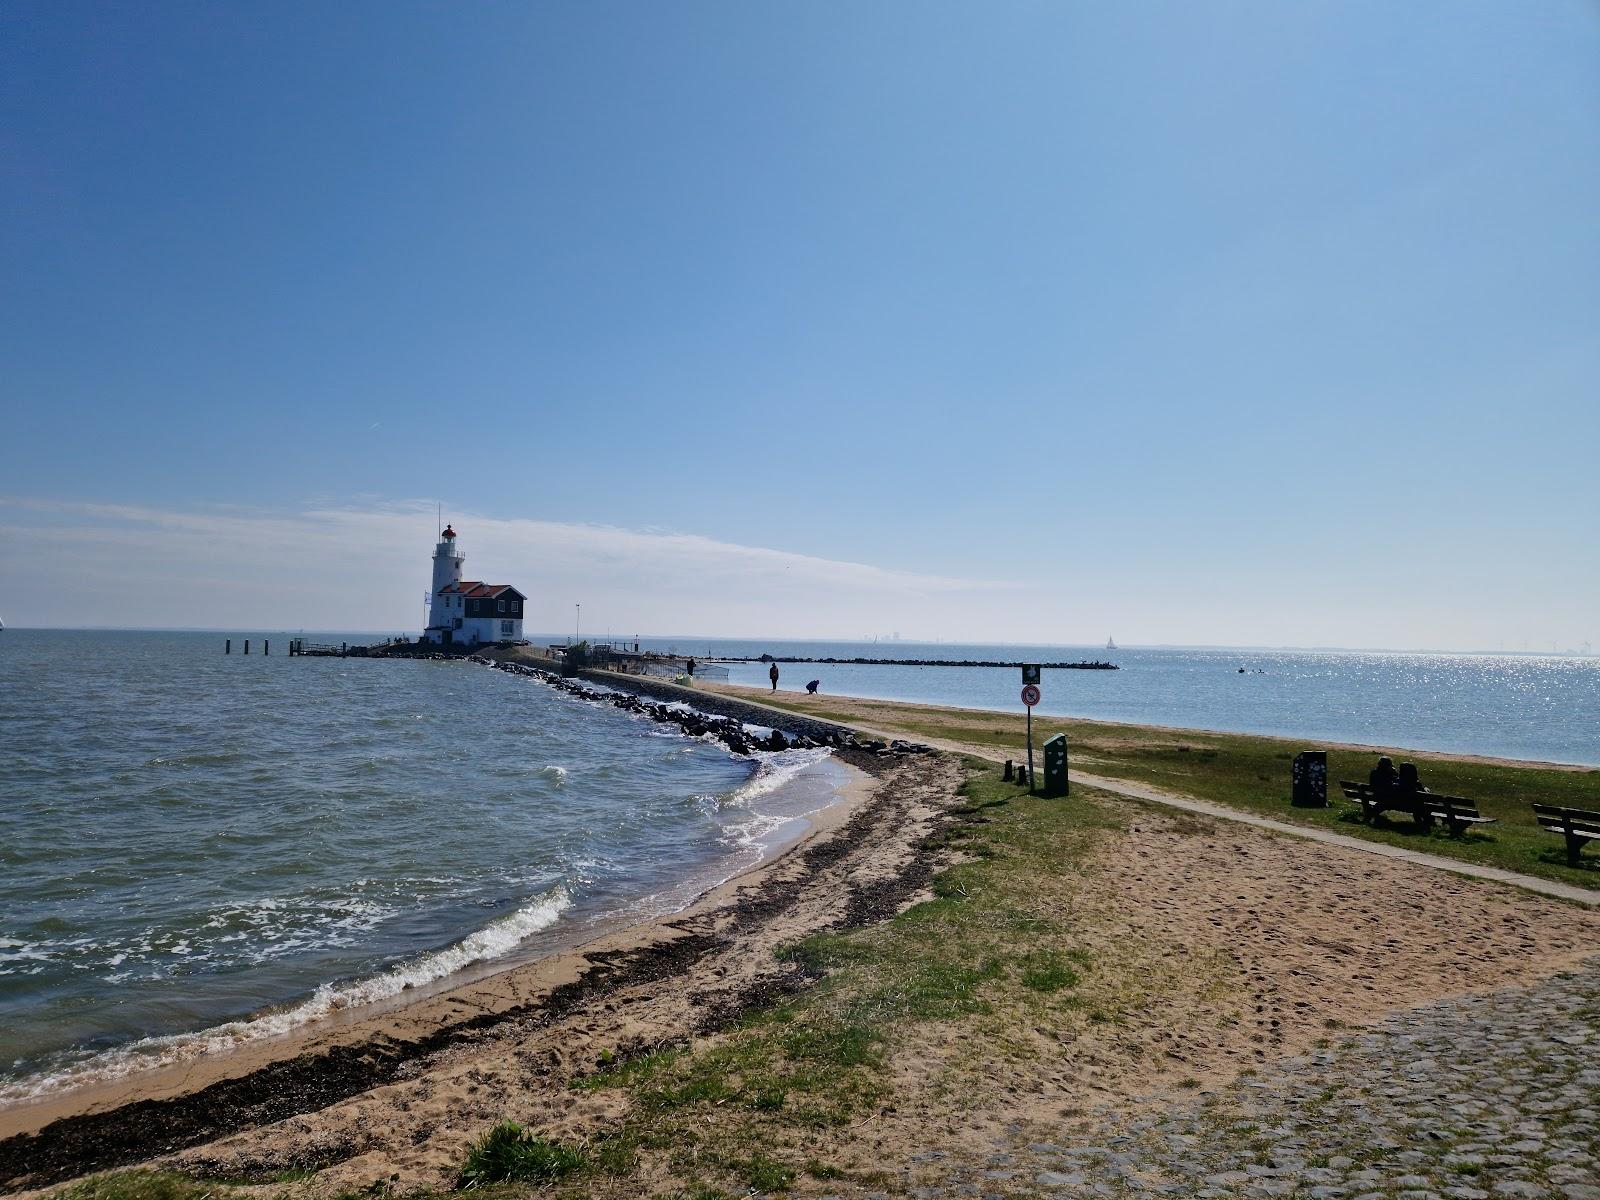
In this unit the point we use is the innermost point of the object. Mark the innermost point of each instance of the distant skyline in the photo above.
(1225, 323)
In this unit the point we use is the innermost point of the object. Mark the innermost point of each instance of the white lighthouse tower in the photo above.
(468, 613)
(447, 562)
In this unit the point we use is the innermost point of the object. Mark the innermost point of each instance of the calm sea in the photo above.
(1513, 706)
(197, 850)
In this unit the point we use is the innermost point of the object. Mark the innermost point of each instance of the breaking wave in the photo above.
(493, 941)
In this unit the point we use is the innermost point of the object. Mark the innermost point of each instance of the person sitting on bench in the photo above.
(1382, 778)
(1408, 783)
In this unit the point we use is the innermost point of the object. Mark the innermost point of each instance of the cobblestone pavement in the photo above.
(1475, 1098)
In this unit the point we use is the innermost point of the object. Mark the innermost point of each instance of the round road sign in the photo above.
(1030, 695)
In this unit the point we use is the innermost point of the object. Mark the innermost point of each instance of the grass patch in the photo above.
(1047, 971)
(834, 1043)
(142, 1185)
(1252, 773)
(822, 1170)
(509, 1153)
(765, 1174)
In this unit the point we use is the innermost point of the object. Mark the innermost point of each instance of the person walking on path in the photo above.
(772, 674)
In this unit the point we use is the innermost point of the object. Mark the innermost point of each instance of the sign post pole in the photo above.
(1030, 749)
(1030, 697)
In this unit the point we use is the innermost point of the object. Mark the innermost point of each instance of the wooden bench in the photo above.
(1372, 804)
(1456, 813)
(1577, 825)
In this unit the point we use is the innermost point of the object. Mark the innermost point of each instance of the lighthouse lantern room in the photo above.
(465, 612)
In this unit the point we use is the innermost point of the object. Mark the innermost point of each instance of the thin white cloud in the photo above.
(360, 567)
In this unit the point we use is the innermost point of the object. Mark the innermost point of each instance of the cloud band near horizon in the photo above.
(358, 567)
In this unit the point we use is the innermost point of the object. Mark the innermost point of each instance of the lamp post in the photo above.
(577, 621)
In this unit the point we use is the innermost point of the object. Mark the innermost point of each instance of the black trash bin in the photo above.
(1310, 776)
(1055, 766)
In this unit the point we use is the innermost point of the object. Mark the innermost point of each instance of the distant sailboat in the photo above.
(1111, 643)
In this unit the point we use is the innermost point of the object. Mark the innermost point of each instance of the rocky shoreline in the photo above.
(742, 728)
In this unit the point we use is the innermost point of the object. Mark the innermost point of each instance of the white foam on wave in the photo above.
(493, 941)
(254, 931)
(558, 773)
(12, 950)
(775, 770)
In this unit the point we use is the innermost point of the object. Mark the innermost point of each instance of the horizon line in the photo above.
(686, 637)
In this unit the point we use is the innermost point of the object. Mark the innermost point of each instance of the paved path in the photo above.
(1475, 1098)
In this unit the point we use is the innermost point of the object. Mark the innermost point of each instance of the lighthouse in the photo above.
(447, 562)
(466, 612)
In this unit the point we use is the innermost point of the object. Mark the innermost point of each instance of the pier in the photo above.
(1095, 665)
(300, 648)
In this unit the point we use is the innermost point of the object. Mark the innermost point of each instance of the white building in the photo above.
(465, 612)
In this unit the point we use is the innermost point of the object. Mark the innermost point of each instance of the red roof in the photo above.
(478, 590)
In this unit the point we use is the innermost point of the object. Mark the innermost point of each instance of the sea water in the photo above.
(198, 850)
(1542, 707)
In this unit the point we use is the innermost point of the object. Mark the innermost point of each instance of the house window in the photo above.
(505, 628)
(502, 606)
(458, 623)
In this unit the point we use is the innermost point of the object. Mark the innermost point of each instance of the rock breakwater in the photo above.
(742, 728)
(1085, 665)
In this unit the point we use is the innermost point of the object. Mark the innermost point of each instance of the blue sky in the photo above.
(1185, 322)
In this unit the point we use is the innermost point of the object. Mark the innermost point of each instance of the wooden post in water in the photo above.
(247, 645)
(266, 646)
(227, 646)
